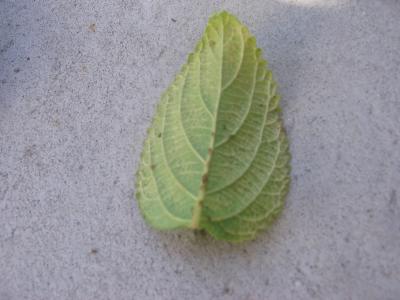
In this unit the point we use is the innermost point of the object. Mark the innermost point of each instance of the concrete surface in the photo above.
(79, 81)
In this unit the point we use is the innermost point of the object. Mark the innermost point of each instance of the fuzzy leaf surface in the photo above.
(216, 156)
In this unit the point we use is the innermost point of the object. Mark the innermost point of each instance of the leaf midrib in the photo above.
(198, 207)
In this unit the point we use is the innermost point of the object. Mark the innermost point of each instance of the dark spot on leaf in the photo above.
(212, 43)
(204, 179)
(159, 135)
(153, 167)
(210, 151)
(173, 20)
(28, 58)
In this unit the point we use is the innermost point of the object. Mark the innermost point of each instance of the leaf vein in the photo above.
(158, 192)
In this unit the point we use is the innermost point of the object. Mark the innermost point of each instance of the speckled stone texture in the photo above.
(79, 82)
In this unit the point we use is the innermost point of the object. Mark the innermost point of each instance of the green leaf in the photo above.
(216, 156)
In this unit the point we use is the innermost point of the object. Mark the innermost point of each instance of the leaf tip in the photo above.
(224, 15)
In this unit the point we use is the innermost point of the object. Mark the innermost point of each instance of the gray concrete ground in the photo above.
(79, 81)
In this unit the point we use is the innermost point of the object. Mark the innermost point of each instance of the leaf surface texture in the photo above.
(216, 156)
